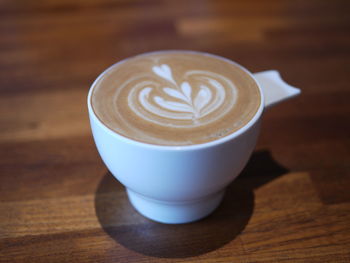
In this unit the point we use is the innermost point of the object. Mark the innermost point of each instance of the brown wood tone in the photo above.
(58, 202)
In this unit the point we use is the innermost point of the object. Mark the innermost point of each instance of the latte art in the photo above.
(197, 95)
(175, 98)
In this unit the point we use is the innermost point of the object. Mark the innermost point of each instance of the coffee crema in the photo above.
(175, 98)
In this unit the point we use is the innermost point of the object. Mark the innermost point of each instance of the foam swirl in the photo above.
(193, 99)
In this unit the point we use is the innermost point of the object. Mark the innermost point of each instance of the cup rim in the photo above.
(198, 146)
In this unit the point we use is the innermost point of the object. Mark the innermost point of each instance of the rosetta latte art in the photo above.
(199, 98)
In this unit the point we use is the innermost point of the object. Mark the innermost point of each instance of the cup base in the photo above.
(175, 212)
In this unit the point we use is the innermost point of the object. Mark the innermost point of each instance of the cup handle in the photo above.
(274, 88)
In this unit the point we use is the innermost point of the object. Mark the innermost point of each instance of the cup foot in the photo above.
(175, 212)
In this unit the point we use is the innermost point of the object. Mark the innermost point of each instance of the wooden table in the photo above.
(60, 204)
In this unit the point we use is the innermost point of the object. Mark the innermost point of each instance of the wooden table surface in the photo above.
(59, 203)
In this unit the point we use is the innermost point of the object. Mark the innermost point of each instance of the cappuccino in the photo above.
(175, 98)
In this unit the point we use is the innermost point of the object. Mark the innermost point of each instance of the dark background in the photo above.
(58, 203)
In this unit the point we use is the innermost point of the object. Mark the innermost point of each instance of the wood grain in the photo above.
(58, 202)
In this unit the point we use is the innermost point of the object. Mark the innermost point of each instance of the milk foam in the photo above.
(180, 101)
(175, 98)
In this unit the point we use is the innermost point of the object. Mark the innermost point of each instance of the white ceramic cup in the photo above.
(180, 184)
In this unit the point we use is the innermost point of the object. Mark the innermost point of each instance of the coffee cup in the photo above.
(181, 181)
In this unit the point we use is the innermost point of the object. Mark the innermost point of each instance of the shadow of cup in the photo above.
(127, 227)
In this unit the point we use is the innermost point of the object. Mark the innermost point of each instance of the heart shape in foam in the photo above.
(164, 71)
